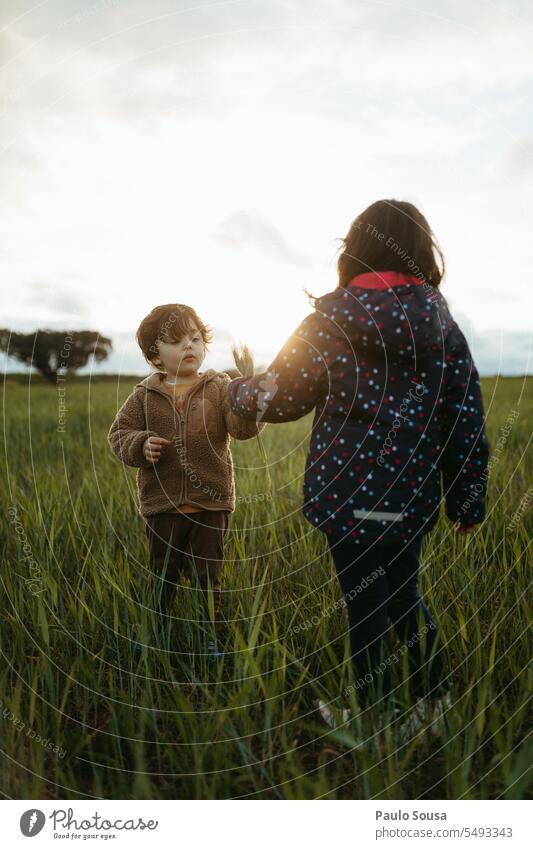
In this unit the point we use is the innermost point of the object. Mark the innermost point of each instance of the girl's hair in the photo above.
(167, 323)
(391, 235)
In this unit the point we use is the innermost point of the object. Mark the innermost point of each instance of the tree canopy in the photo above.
(55, 352)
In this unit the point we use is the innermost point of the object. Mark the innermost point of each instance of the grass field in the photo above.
(84, 716)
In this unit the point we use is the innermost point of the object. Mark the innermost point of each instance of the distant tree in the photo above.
(55, 352)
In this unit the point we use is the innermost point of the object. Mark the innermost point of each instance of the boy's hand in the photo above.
(465, 529)
(153, 446)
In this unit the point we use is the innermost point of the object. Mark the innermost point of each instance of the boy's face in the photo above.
(182, 358)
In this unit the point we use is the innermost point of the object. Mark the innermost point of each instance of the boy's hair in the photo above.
(391, 235)
(168, 323)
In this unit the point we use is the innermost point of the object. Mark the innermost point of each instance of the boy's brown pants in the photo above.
(194, 545)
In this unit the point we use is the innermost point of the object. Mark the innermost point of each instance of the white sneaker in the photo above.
(438, 719)
(426, 716)
(415, 722)
(330, 716)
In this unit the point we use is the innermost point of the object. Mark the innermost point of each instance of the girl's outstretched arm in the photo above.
(292, 384)
(465, 455)
(237, 427)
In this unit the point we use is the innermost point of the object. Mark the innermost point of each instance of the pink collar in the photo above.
(383, 280)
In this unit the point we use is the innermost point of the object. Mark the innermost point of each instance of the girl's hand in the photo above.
(153, 446)
(465, 529)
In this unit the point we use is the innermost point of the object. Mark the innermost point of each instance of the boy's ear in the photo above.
(156, 360)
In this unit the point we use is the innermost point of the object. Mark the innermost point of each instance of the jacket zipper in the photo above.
(183, 428)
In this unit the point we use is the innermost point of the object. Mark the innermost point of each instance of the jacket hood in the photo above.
(153, 381)
(389, 310)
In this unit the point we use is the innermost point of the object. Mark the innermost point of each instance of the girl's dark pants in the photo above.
(380, 583)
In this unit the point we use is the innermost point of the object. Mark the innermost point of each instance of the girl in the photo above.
(398, 412)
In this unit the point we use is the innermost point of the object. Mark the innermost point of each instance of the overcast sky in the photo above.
(213, 153)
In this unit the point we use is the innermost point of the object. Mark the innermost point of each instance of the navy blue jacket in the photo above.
(398, 410)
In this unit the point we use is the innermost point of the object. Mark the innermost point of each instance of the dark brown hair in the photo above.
(168, 323)
(391, 235)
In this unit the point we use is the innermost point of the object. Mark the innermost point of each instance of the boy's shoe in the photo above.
(332, 717)
(212, 649)
(136, 646)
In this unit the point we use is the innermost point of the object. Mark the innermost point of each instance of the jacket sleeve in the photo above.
(466, 449)
(237, 427)
(292, 384)
(128, 433)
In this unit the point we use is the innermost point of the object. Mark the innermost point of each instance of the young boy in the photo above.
(176, 427)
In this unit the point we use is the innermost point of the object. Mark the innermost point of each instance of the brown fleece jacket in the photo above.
(197, 468)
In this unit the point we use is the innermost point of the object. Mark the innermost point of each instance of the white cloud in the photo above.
(518, 160)
(244, 229)
(57, 301)
(497, 351)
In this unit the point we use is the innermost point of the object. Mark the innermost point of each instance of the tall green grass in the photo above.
(164, 720)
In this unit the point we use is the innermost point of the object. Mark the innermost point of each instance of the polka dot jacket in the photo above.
(398, 420)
